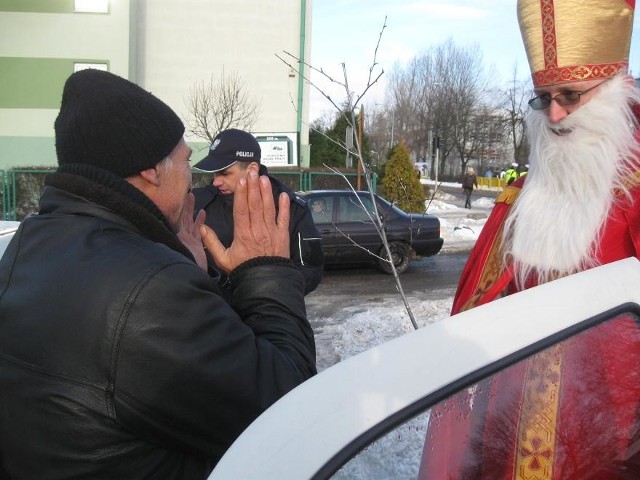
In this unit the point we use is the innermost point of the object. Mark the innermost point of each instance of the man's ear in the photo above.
(151, 175)
(254, 166)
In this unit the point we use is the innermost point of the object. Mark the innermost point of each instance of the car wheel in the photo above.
(399, 255)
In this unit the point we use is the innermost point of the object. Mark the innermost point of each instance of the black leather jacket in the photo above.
(118, 356)
(305, 239)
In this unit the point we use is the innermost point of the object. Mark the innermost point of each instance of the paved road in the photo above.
(430, 278)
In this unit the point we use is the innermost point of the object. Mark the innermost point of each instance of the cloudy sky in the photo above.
(348, 30)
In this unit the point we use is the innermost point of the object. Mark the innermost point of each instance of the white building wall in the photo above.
(182, 43)
(80, 35)
(51, 35)
(166, 46)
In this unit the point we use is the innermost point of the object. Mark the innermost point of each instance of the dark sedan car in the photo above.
(350, 237)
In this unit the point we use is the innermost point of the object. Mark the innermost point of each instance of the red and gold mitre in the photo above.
(575, 40)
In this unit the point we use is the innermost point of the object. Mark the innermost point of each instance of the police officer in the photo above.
(511, 173)
(232, 155)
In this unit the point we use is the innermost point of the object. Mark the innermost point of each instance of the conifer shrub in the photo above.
(401, 183)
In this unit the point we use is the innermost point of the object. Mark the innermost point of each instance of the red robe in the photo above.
(483, 278)
(544, 418)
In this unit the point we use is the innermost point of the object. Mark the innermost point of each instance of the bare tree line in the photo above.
(442, 104)
(445, 98)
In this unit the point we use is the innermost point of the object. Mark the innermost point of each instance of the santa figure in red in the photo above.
(571, 411)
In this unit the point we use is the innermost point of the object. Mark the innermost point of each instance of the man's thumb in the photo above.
(211, 242)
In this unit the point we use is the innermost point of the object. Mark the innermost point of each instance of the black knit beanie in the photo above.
(112, 123)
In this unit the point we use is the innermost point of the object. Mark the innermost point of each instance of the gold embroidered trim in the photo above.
(493, 266)
(539, 416)
(558, 75)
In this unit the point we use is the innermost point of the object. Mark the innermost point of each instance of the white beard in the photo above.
(553, 227)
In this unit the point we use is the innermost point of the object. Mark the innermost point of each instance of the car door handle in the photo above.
(325, 230)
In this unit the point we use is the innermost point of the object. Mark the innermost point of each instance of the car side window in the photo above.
(351, 210)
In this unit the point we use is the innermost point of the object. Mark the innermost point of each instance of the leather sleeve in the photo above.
(191, 372)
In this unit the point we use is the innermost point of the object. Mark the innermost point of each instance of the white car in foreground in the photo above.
(366, 417)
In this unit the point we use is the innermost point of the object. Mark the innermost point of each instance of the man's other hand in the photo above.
(189, 233)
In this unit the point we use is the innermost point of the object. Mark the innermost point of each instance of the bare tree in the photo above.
(461, 91)
(218, 105)
(378, 123)
(514, 101)
(434, 98)
(405, 99)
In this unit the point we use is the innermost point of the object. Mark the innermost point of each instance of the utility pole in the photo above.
(437, 166)
(430, 153)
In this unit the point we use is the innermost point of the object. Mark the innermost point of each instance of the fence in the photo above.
(491, 182)
(21, 188)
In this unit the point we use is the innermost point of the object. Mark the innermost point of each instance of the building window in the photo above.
(83, 66)
(91, 6)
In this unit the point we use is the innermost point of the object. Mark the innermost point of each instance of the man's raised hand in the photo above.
(257, 232)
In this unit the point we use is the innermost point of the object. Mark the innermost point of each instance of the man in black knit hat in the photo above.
(233, 155)
(119, 358)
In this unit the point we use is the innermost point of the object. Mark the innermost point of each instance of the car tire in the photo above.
(400, 255)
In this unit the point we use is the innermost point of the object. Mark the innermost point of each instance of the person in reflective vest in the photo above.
(511, 174)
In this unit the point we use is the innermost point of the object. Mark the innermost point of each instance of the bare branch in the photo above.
(349, 107)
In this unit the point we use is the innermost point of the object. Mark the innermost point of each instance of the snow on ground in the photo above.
(356, 329)
(460, 227)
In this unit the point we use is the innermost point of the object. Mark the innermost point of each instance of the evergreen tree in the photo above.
(401, 183)
(324, 151)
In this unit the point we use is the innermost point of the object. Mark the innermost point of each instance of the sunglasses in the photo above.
(564, 99)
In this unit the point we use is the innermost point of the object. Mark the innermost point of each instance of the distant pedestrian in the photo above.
(469, 180)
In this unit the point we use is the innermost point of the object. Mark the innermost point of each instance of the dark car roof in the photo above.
(346, 191)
